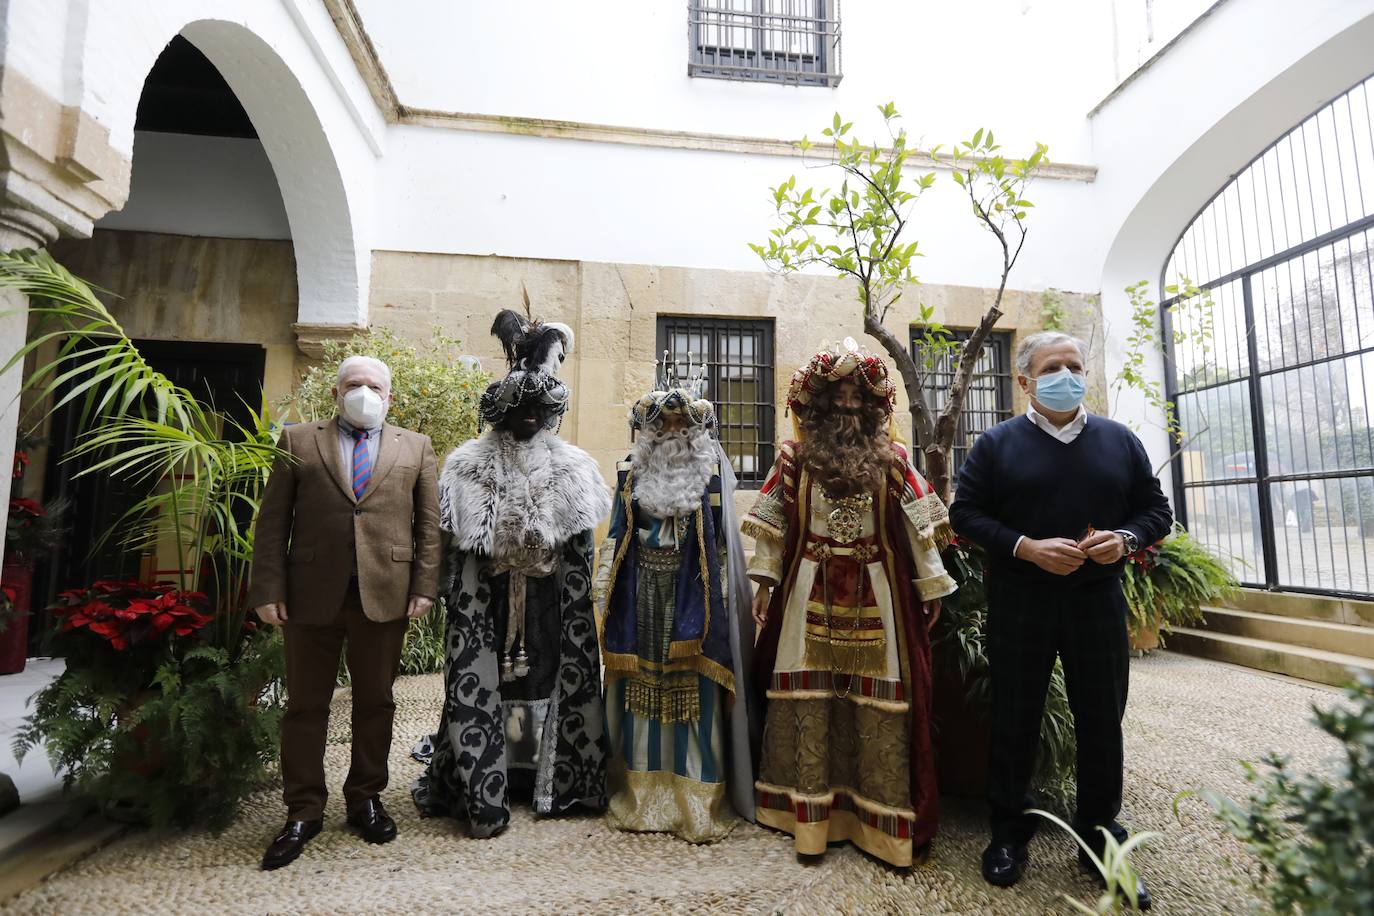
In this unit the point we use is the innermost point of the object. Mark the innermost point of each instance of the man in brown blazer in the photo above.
(346, 552)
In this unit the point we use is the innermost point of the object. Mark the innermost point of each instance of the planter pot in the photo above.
(961, 735)
(14, 642)
(1146, 638)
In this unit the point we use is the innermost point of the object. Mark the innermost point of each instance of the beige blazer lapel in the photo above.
(386, 458)
(327, 441)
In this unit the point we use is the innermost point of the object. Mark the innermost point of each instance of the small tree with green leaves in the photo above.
(1191, 313)
(858, 230)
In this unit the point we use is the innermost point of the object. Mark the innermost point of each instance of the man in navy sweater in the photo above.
(1057, 498)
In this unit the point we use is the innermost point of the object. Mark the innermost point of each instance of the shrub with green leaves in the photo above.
(1314, 833)
(435, 394)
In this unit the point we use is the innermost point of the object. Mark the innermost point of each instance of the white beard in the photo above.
(671, 473)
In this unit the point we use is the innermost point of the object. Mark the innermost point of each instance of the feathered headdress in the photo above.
(535, 351)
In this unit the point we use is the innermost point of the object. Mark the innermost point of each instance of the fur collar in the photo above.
(498, 496)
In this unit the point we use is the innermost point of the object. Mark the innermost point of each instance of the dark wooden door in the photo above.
(226, 377)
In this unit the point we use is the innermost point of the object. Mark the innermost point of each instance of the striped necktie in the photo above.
(362, 465)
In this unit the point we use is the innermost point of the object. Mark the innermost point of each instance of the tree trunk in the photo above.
(922, 424)
(941, 450)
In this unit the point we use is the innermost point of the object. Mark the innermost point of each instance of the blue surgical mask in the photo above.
(1061, 391)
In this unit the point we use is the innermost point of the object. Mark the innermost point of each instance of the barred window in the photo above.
(781, 41)
(1276, 469)
(739, 357)
(989, 392)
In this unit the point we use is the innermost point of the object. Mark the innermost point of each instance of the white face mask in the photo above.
(364, 408)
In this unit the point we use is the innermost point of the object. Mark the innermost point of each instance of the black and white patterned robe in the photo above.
(544, 732)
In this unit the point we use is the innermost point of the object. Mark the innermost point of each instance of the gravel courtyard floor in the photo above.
(1190, 723)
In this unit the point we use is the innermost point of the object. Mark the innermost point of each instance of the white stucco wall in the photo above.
(1163, 147)
(192, 185)
(1031, 69)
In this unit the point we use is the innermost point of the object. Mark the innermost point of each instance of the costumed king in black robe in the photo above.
(522, 684)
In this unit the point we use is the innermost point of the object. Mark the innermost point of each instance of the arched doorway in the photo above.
(204, 272)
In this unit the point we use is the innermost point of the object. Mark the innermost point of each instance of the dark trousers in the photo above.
(1028, 626)
(312, 667)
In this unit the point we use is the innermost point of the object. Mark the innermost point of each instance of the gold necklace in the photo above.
(846, 517)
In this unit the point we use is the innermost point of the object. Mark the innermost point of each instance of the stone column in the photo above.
(18, 229)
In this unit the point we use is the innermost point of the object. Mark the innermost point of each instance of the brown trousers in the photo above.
(312, 667)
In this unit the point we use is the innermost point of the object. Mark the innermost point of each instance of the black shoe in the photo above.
(1143, 899)
(371, 820)
(286, 848)
(1003, 864)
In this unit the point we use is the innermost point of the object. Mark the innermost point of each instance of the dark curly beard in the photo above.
(848, 452)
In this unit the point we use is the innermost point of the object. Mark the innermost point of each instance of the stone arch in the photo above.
(331, 273)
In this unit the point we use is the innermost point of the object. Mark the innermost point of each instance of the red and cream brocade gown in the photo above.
(845, 659)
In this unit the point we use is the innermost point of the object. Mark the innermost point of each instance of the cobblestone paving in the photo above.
(1189, 724)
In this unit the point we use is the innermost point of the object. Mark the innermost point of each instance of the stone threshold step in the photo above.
(1342, 638)
(1318, 665)
(1301, 606)
(37, 840)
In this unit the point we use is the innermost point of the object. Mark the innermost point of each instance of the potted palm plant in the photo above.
(169, 706)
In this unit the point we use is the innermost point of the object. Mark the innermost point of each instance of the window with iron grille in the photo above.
(1275, 472)
(739, 358)
(989, 392)
(781, 41)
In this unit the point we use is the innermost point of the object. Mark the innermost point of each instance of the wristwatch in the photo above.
(1132, 542)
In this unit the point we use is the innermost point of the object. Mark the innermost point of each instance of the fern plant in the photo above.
(1168, 584)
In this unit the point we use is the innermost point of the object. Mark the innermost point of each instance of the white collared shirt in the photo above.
(1065, 434)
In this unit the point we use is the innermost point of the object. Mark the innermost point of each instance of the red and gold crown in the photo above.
(847, 362)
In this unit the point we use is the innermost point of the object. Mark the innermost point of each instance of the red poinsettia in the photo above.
(128, 614)
(1146, 557)
(30, 508)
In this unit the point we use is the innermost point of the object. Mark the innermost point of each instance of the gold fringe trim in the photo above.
(893, 706)
(623, 664)
(933, 587)
(684, 648)
(666, 703)
(823, 655)
(757, 529)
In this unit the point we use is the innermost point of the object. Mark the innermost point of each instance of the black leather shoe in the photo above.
(371, 820)
(286, 848)
(1003, 864)
(1143, 899)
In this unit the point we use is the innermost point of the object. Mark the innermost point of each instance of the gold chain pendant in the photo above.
(846, 520)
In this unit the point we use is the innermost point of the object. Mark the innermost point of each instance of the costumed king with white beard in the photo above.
(522, 686)
(677, 635)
